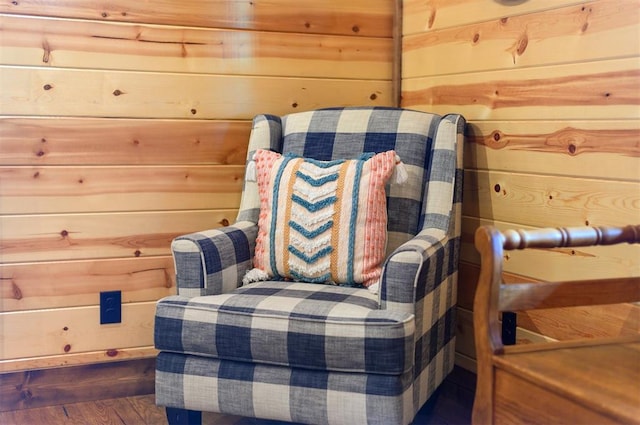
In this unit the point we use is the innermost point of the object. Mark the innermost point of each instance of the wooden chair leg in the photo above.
(183, 417)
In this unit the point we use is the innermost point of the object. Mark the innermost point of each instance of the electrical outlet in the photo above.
(110, 307)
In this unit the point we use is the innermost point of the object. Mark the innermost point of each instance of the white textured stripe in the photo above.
(310, 219)
(313, 194)
(311, 270)
(316, 172)
(309, 246)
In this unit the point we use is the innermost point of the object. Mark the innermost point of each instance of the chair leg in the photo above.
(177, 416)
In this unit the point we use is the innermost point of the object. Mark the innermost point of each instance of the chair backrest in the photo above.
(426, 143)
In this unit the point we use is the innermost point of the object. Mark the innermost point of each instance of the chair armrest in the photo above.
(214, 261)
(417, 268)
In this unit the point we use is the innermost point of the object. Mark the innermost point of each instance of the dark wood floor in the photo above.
(451, 404)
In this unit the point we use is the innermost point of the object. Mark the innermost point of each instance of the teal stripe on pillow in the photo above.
(353, 220)
(274, 216)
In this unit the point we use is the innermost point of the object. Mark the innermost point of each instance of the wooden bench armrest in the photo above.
(493, 297)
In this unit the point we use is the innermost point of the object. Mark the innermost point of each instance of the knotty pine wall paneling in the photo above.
(551, 92)
(123, 125)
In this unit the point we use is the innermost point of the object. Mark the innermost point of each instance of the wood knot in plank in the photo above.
(522, 44)
(496, 140)
(47, 51)
(432, 18)
(17, 292)
(26, 395)
(519, 47)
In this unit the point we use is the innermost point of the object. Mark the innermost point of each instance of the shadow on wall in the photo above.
(510, 2)
(474, 182)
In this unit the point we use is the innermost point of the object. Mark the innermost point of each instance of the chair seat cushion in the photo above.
(300, 325)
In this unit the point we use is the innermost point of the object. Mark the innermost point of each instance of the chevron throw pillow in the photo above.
(322, 221)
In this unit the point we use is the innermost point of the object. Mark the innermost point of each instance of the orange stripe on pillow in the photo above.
(335, 231)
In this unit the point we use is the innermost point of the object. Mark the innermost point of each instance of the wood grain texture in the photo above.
(550, 93)
(539, 405)
(31, 286)
(121, 141)
(544, 201)
(27, 238)
(570, 323)
(75, 359)
(465, 341)
(30, 389)
(356, 17)
(560, 324)
(578, 33)
(65, 43)
(604, 90)
(560, 263)
(594, 380)
(96, 93)
(126, 124)
(35, 190)
(428, 15)
(36, 333)
(569, 148)
(525, 296)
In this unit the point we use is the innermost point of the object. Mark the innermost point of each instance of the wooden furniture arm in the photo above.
(569, 237)
(493, 297)
(529, 296)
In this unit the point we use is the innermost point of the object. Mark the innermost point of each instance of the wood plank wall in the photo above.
(124, 124)
(551, 91)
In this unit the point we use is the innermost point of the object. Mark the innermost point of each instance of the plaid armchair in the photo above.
(313, 353)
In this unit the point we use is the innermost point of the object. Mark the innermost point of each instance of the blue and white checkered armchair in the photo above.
(313, 353)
